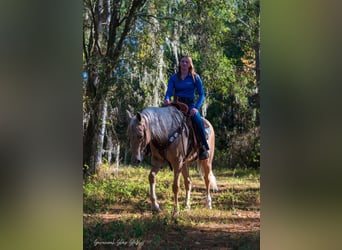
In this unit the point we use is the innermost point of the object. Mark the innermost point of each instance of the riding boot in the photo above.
(200, 135)
(203, 153)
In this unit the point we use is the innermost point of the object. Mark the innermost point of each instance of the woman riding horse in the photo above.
(184, 83)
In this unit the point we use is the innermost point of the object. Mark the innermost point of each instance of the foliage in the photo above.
(222, 36)
(130, 186)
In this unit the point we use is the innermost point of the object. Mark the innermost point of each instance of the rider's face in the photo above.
(185, 64)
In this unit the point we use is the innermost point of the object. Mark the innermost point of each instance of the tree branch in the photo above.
(244, 23)
(128, 22)
(85, 49)
(161, 18)
(96, 33)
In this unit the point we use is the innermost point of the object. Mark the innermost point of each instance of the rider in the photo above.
(184, 83)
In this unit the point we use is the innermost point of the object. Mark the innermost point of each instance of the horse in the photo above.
(166, 132)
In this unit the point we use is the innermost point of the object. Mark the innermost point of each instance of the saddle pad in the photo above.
(207, 132)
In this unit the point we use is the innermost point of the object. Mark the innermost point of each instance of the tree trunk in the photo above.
(125, 155)
(117, 157)
(99, 136)
(110, 147)
(94, 137)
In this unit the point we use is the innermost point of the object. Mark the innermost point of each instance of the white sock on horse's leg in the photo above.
(187, 204)
(153, 197)
(209, 201)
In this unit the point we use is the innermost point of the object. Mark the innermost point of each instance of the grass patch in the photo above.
(117, 211)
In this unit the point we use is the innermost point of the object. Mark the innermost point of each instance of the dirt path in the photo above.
(236, 231)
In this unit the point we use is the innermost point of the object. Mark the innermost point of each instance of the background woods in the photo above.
(130, 48)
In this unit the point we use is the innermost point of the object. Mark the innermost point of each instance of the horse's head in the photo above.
(138, 136)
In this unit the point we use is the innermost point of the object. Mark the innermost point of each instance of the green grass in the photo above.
(124, 198)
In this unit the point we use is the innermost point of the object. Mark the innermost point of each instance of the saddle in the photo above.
(181, 106)
(191, 130)
(184, 109)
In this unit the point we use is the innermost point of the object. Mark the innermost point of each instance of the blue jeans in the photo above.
(199, 128)
(197, 122)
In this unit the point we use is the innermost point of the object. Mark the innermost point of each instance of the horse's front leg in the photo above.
(175, 189)
(187, 184)
(153, 196)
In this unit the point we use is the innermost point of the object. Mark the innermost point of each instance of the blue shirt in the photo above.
(186, 88)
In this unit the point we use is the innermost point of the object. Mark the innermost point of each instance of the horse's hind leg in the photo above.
(187, 184)
(205, 165)
(153, 196)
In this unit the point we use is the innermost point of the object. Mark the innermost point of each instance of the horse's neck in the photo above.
(172, 120)
(148, 133)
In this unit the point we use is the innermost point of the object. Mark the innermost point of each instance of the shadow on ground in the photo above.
(163, 231)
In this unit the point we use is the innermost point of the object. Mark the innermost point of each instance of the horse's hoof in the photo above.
(156, 211)
(175, 213)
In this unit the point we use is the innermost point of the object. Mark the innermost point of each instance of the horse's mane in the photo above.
(162, 121)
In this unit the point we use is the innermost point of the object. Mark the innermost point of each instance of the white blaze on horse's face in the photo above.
(137, 139)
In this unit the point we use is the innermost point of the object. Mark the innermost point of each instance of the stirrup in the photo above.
(203, 154)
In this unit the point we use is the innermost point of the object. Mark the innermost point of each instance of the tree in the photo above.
(132, 47)
(106, 27)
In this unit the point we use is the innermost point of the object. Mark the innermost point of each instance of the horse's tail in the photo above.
(213, 183)
(212, 177)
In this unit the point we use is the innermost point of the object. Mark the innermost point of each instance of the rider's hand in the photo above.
(193, 111)
(167, 102)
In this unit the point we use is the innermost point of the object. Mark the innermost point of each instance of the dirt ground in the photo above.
(229, 225)
(241, 231)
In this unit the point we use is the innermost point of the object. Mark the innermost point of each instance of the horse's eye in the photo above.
(140, 137)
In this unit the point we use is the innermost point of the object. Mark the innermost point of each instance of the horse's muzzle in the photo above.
(136, 160)
(136, 156)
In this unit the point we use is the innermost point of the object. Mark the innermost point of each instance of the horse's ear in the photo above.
(128, 116)
(139, 117)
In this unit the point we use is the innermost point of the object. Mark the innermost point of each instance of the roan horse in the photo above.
(167, 133)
